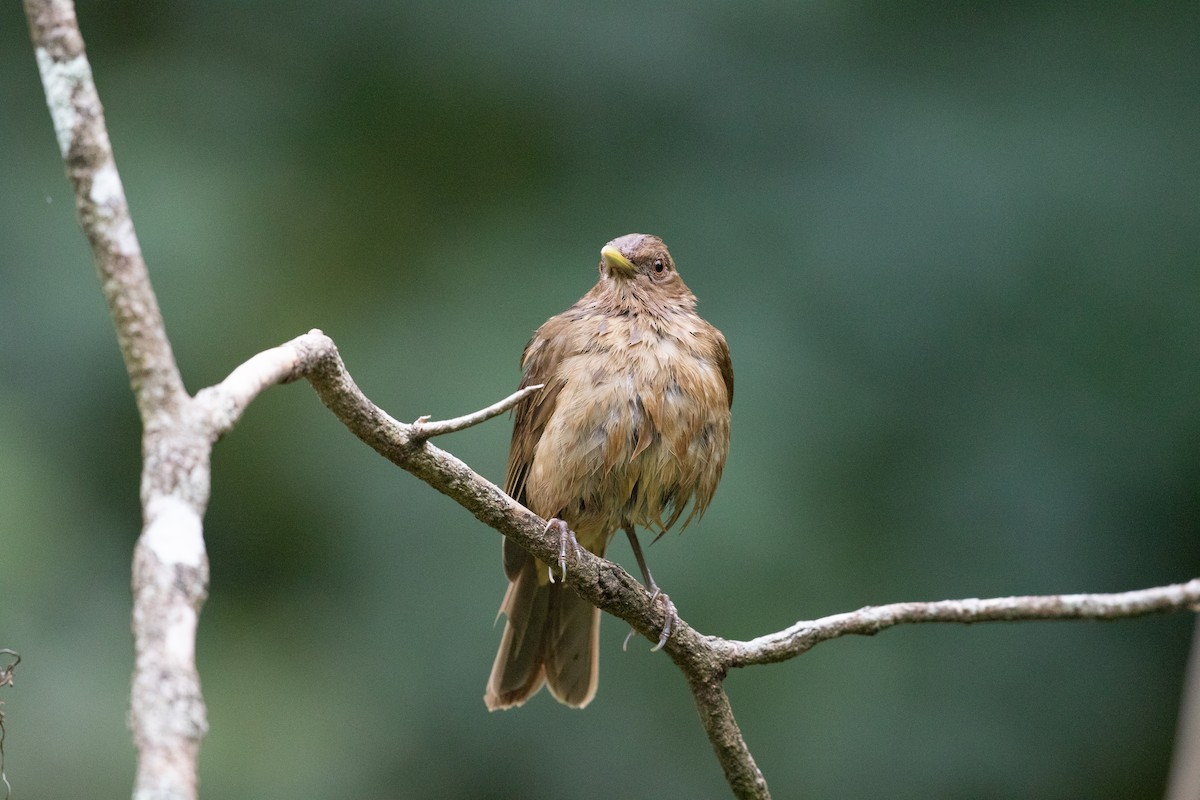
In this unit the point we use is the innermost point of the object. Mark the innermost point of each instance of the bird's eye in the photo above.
(658, 265)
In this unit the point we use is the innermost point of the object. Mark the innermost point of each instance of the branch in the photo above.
(868, 621)
(223, 405)
(170, 567)
(704, 660)
(101, 205)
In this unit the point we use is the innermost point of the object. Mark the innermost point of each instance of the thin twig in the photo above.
(423, 429)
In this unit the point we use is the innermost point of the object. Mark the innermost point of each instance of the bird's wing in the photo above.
(540, 364)
(721, 356)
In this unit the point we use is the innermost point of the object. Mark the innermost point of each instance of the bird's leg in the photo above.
(564, 535)
(670, 615)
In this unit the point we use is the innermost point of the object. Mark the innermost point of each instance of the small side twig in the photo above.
(423, 429)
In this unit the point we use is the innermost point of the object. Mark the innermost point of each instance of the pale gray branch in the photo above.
(101, 205)
(170, 567)
(223, 405)
(870, 620)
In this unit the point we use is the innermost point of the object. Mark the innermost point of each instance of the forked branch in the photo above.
(170, 572)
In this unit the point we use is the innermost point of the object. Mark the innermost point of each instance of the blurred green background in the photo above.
(953, 248)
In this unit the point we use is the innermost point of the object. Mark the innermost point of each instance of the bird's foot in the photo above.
(564, 536)
(670, 620)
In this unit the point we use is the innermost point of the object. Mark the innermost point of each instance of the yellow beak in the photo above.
(616, 261)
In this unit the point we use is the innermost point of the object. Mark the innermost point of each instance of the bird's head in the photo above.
(638, 257)
(638, 275)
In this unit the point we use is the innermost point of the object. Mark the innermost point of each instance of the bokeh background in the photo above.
(953, 248)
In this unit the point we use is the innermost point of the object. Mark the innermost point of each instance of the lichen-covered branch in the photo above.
(170, 567)
(101, 205)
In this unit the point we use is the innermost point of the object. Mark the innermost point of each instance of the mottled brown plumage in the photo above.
(631, 427)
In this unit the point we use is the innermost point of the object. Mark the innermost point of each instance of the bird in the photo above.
(630, 429)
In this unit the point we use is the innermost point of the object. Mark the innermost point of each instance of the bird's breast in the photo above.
(639, 429)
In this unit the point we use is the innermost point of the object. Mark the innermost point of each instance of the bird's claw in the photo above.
(564, 535)
(670, 618)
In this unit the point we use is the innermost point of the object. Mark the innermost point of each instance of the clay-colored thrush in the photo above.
(631, 425)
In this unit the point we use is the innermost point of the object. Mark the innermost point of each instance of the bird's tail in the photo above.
(551, 637)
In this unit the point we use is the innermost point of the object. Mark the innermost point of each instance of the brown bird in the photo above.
(632, 424)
